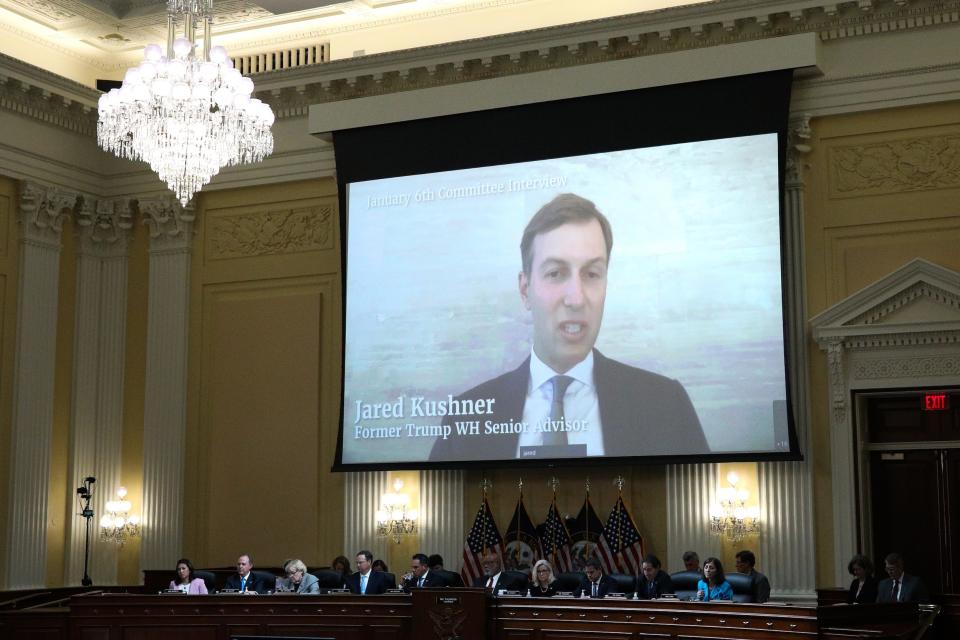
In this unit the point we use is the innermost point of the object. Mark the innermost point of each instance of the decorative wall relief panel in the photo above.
(276, 232)
(923, 366)
(911, 164)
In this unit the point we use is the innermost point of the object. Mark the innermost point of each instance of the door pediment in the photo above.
(920, 299)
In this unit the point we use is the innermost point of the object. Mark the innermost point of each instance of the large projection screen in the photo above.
(653, 285)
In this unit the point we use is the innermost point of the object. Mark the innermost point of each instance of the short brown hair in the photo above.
(564, 209)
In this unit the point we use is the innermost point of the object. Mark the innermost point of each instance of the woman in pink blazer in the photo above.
(185, 580)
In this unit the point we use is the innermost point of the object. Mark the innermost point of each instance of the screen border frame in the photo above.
(739, 106)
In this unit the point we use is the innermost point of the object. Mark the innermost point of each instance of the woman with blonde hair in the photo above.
(298, 580)
(542, 581)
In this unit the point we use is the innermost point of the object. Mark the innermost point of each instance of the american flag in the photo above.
(483, 537)
(621, 545)
(556, 541)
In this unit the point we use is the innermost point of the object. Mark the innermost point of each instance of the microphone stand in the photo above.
(85, 494)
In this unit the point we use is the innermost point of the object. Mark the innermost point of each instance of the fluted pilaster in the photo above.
(41, 215)
(690, 492)
(362, 493)
(96, 434)
(787, 546)
(787, 552)
(165, 398)
(441, 514)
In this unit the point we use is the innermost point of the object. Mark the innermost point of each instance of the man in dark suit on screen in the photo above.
(900, 586)
(567, 399)
(366, 581)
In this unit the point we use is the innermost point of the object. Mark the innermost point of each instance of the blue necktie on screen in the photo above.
(243, 583)
(363, 584)
(560, 384)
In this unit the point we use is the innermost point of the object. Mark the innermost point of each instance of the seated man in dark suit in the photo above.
(246, 582)
(420, 575)
(759, 585)
(366, 581)
(595, 583)
(900, 586)
(492, 572)
(655, 582)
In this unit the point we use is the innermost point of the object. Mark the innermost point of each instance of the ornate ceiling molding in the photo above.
(646, 34)
(34, 102)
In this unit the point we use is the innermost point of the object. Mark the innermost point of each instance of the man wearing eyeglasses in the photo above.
(298, 580)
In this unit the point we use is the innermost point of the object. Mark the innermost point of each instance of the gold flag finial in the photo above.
(619, 481)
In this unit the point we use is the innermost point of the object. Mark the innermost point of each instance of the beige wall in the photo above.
(8, 325)
(882, 188)
(264, 377)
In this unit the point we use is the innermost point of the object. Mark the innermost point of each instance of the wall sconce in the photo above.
(731, 517)
(118, 524)
(393, 518)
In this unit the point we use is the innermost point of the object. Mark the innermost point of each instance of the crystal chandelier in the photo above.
(188, 117)
(118, 524)
(731, 517)
(393, 518)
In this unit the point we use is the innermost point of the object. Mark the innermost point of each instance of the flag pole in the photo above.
(554, 483)
(619, 483)
(587, 516)
(484, 485)
(519, 504)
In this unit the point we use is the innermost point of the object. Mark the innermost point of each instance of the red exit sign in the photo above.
(936, 402)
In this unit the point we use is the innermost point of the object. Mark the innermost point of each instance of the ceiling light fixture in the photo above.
(187, 117)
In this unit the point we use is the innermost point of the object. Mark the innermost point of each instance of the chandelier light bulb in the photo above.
(121, 492)
(148, 70)
(182, 47)
(733, 478)
(132, 76)
(153, 52)
(218, 54)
